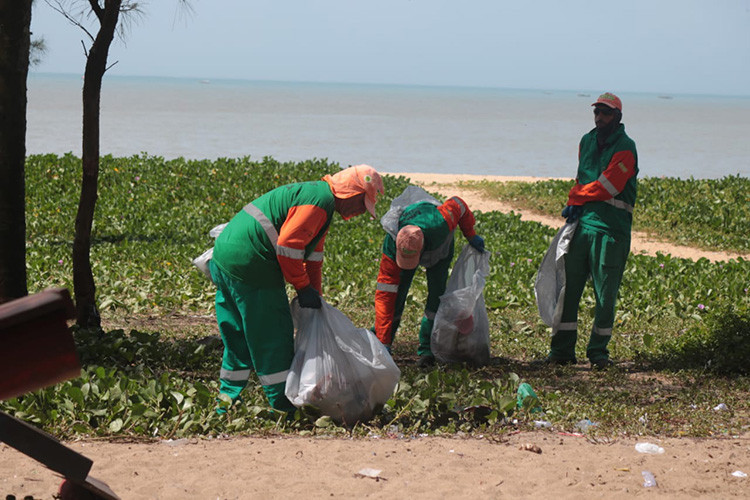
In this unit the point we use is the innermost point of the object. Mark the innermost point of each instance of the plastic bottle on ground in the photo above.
(649, 481)
(650, 448)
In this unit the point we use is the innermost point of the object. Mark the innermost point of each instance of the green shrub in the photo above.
(720, 344)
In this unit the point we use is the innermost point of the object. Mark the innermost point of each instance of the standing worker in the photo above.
(425, 236)
(602, 202)
(276, 239)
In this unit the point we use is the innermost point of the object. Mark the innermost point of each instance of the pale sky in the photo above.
(658, 46)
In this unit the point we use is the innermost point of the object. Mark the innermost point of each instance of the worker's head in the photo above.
(409, 244)
(607, 112)
(356, 189)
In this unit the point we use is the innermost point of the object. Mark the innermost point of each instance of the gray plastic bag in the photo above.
(342, 370)
(549, 287)
(462, 331)
(201, 262)
(412, 194)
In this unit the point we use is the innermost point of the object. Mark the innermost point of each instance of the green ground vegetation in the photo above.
(705, 213)
(681, 336)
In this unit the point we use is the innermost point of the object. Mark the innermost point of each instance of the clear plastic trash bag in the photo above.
(462, 331)
(201, 262)
(343, 371)
(412, 194)
(549, 287)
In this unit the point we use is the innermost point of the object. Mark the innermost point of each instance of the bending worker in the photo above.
(277, 239)
(602, 202)
(425, 236)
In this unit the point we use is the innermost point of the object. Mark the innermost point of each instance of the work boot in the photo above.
(552, 361)
(602, 364)
(426, 361)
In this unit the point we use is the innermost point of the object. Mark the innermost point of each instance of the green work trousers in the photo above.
(437, 278)
(258, 333)
(601, 256)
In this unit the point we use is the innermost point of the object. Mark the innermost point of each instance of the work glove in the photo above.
(477, 242)
(572, 212)
(309, 297)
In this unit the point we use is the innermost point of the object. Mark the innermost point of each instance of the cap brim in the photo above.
(605, 104)
(407, 262)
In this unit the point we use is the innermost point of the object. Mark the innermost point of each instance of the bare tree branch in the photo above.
(75, 22)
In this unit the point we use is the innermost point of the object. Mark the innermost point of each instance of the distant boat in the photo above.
(205, 82)
(664, 97)
(584, 95)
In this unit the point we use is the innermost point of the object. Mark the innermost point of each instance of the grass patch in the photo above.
(154, 373)
(705, 213)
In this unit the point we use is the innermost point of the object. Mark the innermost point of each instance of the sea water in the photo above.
(394, 128)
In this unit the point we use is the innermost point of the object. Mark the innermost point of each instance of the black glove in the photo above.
(572, 212)
(309, 297)
(477, 242)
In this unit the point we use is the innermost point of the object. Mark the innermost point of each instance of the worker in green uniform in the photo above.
(425, 237)
(277, 239)
(602, 202)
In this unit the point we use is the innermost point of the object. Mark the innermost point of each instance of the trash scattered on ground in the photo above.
(583, 425)
(650, 448)
(739, 473)
(649, 481)
(531, 447)
(721, 407)
(526, 391)
(371, 473)
(539, 424)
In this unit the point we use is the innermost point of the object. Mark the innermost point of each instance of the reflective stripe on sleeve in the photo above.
(265, 223)
(292, 253)
(235, 375)
(315, 257)
(460, 204)
(611, 189)
(386, 287)
(620, 204)
(273, 378)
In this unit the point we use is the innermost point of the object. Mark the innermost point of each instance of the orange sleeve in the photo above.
(386, 290)
(314, 266)
(609, 184)
(456, 212)
(302, 224)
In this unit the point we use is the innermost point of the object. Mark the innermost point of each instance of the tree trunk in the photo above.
(87, 313)
(15, 20)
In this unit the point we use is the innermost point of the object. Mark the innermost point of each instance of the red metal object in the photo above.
(36, 345)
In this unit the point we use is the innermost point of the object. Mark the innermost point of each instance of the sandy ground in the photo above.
(245, 468)
(569, 466)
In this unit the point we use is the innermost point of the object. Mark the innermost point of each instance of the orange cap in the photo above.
(356, 180)
(609, 99)
(409, 243)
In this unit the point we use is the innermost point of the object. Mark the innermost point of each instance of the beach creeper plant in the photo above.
(160, 381)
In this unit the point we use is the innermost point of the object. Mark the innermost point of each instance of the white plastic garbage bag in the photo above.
(201, 262)
(549, 287)
(412, 194)
(462, 330)
(342, 370)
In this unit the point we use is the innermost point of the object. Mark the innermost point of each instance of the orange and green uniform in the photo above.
(438, 224)
(606, 186)
(276, 239)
